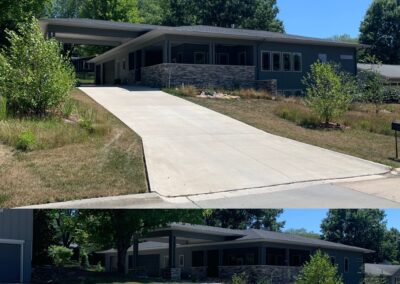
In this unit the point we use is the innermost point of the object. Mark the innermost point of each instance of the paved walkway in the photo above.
(192, 150)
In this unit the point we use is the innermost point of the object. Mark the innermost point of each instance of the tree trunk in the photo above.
(122, 249)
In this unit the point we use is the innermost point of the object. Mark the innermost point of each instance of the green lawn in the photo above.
(368, 135)
(70, 160)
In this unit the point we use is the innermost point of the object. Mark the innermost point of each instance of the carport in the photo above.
(11, 261)
(94, 32)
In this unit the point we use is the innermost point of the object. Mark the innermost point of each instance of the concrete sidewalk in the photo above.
(192, 150)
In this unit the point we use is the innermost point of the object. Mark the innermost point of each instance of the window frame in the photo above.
(181, 257)
(301, 61)
(346, 260)
(325, 55)
(262, 61)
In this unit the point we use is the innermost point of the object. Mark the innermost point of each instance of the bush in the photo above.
(319, 269)
(3, 108)
(371, 87)
(88, 116)
(98, 267)
(240, 278)
(67, 108)
(26, 141)
(39, 79)
(328, 91)
(60, 255)
(84, 260)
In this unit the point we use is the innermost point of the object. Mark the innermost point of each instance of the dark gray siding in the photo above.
(292, 80)
(18, 225)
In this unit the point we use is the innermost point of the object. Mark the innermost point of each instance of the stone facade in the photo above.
(200, 75)
(274, 274)
(173, 274)
(198, 273)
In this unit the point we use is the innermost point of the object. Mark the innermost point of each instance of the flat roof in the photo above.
(381, 269)
(391, 72)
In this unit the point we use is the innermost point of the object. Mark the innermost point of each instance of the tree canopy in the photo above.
(380, 29)
(357, 227)
(246, 218)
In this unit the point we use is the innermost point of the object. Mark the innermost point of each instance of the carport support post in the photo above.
(172, 251)
(397, 149)
(135, 253)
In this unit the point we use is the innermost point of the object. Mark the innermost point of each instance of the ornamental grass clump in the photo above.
(35, 77)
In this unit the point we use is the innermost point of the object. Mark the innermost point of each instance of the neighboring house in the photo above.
(390, 72)
(391, 273)
(16, 232)
(82, 65)
(201, 55)
(198, 252)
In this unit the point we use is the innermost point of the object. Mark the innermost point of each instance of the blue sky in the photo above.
(310, 219)
(317, 18)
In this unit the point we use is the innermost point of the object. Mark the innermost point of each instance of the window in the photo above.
(346, 264)
(179, 57)
(131, 63)
(223, 58)
(241, 256)
(197, 258)
(287, 62)
(276, 61)
(275, 256)
(297, 64)
(346, 57)
(166, 260)
(323, 57)
(199, 58)
(333, 260)
(181, 260)
(242, 58)
(298, 257)
(123, 64)
(266, 61)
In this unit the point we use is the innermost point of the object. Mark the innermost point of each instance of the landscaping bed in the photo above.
(362, 132)
(91, 154)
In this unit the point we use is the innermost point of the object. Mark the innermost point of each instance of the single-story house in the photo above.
(16, 234)
(391, 273)
(390, 72)
(199, 252)
(201, 55)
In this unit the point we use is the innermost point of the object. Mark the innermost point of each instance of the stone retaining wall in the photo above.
(172, 274)
(200, 75)
(275, 274)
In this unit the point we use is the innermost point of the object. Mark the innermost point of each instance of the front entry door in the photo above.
(212, 263)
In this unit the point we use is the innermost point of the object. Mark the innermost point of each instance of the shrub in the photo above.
(328, 91)
(319, 269)
(26, 141)
(371, 88)
(88, 116)
(67, 108)
(98, 267)
(3, 108)
(60, 255)
(240, 278)
(39, 78)
(84, 259)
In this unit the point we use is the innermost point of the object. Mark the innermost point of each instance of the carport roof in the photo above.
(391, 72)
(158, 239)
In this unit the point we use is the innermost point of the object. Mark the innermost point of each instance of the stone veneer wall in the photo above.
(172, 274)
(200, 75)
(198, 273)
(276, 274)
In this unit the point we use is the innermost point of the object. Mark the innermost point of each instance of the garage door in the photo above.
(109, 72)
(152, 264)
(10, 263)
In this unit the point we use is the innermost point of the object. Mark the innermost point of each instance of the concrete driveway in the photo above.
(193, 150)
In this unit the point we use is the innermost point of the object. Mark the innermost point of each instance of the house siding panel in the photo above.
(18, 225)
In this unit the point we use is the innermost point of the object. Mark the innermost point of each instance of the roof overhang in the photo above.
(92, 32)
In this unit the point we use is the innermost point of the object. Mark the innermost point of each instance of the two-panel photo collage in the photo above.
(188, 141)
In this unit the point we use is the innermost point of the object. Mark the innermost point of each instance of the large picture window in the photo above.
(242, 256)
(298, 257)
(276, 61)
(131, 63)
(275, 256)
(199, 58)
(197, 258)
(266, 61)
